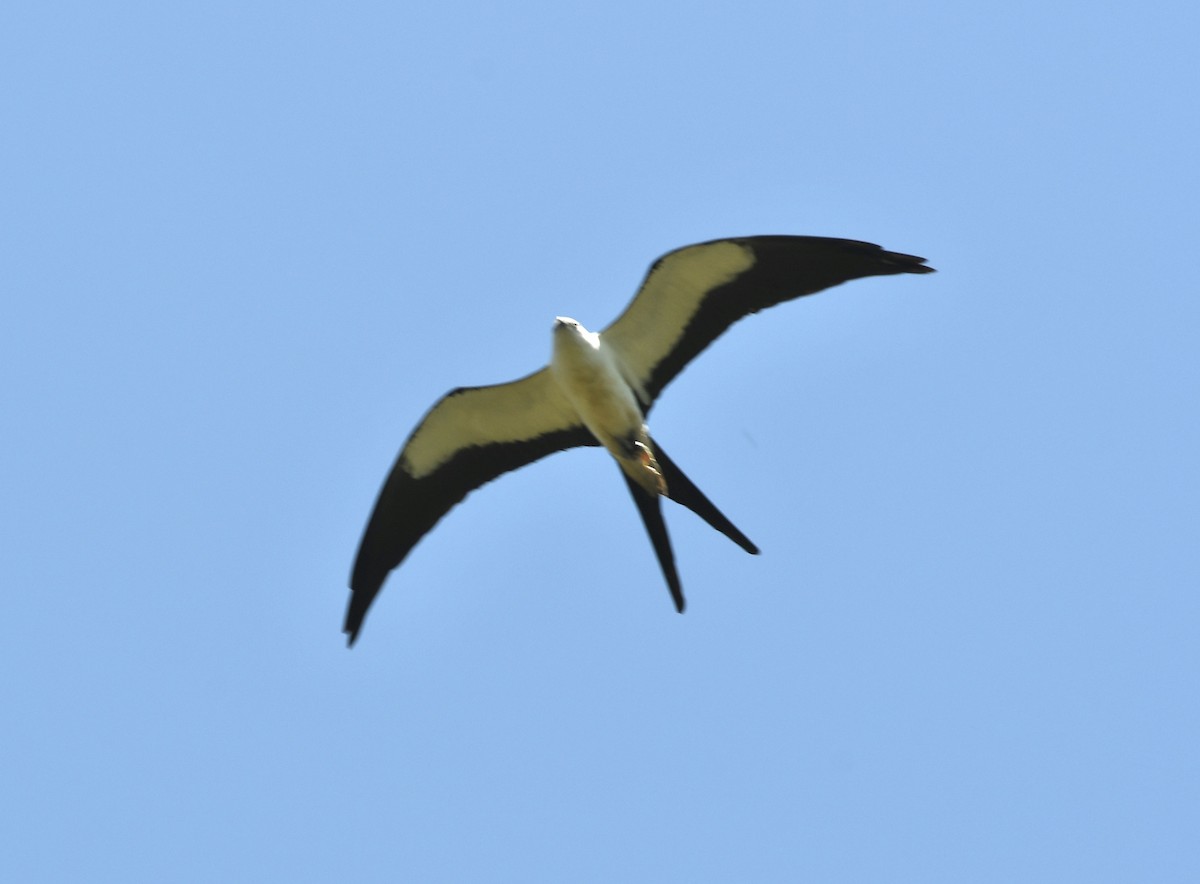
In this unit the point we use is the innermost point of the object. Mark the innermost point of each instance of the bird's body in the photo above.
(594, 379)
(597, 390)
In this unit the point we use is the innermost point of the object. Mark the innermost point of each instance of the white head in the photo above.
(566, 326)
(570, 335)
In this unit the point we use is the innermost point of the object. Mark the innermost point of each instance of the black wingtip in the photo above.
(909, 263)
(362, 592)
(354, 622)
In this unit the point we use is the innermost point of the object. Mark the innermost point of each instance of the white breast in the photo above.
(589, 376)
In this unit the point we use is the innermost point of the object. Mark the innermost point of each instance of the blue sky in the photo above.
(245, 246)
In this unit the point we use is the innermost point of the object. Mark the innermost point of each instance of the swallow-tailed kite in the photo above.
(597, 390)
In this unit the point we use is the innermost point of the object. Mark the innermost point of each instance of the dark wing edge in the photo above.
(407, 508)
(783, 268)
(468, 438)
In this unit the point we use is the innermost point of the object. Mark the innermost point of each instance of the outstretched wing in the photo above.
(691, 295)
(471, 436)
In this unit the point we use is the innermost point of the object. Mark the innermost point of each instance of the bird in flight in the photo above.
(597, 390)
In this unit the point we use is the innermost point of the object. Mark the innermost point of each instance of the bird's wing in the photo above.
(691, 295)
(471, 436)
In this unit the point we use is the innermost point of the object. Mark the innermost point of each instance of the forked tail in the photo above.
(682, 490)
(650, 507)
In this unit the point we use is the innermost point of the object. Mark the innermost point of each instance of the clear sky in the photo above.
(246, 245)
